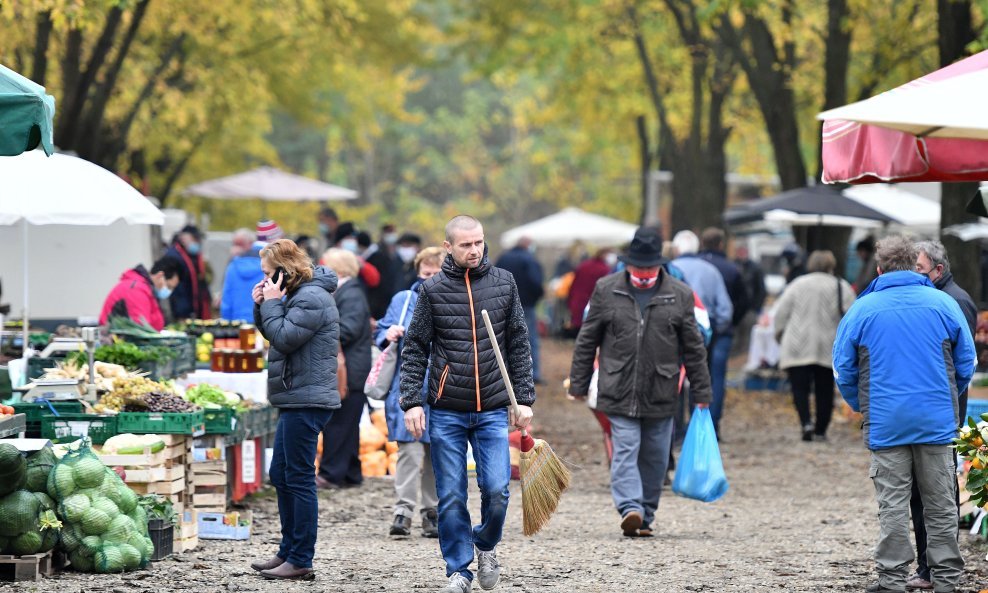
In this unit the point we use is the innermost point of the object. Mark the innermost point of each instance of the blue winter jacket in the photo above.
(392, 410)
(902, 355)
(242, 273)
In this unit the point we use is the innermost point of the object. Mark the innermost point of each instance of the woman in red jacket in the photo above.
(137, 293)
(584, 279)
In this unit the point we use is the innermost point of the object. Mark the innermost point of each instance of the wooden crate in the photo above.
(209, 473)
(155, 474)
(188, 525)
(26, 568)
(209, 501)
(164, 487)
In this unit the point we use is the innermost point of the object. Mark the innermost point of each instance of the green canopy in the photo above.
(26, 114)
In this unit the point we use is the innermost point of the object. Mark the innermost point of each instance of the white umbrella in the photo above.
(968, 231)
(907, 208)
(951, 108)
(268, 183)
(571, 224)
(797, 219)
(64, 189)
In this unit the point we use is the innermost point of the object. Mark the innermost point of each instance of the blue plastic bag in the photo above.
(700, 471)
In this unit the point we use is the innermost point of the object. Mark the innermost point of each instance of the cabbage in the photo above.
(18, 513)
(95, 521)
(69, 538)
(106, 505)
(89, 545)
(108, 559)
(28, 542)
(131, 556)
(89, 472)
(128, 500)
(74, 506)
(80, 562)
(60, 482)
(120, 530)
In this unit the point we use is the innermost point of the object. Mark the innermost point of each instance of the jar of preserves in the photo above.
(217, 363)
(248, 337)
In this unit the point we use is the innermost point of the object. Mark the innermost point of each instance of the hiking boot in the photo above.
(430, 523)
(631, 523)
(289, 571)
(877, 588)
(918, 582)
(457, 584)
(401, 526)
(267, 564)
(488, 569)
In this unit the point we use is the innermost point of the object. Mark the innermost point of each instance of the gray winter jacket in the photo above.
(304, 332)
(355, 333)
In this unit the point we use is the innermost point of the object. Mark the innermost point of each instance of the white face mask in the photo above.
(390, 238)
(611, 259)
(349, 244)
(407, 253)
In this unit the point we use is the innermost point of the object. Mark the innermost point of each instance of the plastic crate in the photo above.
(71, 427)
(162, 535)
(220, 421)
(975, 408)
(183, 346)
(161, 423)
(33, 411)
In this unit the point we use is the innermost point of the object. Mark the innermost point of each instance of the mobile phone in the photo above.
(279, 273)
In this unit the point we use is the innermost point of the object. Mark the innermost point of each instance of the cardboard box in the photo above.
(234, 525)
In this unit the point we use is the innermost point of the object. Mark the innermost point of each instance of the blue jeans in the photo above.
(638, 468)
(533, 339)
(720, 352)
(293, 474)
(487, 433)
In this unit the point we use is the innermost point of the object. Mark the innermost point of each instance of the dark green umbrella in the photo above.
(26, 113)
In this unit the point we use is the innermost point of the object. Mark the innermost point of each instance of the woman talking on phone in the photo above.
(296, 313)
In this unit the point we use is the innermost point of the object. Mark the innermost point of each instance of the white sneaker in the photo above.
(488, 569)
(457, 584)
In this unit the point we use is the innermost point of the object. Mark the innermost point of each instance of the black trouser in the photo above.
(916, 505)
(340, 463)
(803, 380)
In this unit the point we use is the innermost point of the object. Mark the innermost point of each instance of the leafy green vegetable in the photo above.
(210, 396)
(158, 507)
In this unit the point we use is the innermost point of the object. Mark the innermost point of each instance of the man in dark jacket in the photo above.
(712, 240)
(932, 262)
(379, 297)
(642, 320)
(467, 395)
(190, 299)
(528, 277)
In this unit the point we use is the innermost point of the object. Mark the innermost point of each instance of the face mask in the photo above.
(531, 248)
(611, 259)
(643, 281)
(349, 244)
(323, 228)
(390, 238)
(193, 249)
(163, 293)
(407, 254)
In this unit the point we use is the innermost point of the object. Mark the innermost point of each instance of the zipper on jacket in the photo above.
(442, 382)
(476, 353)
(640, 333)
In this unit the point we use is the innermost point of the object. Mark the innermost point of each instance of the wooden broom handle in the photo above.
(500, 362)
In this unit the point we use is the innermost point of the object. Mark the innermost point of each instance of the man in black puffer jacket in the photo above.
(467, 395)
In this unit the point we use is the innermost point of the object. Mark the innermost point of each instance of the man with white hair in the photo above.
(704, 279)
(242, 273)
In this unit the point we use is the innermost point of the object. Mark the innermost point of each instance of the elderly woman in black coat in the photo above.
(340, 463)
(295, 312)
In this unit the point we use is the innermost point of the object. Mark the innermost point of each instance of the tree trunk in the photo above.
(769, 76)
(836, 60)
(645, 155)
(71, 58)
(954, 34)
(39, 65)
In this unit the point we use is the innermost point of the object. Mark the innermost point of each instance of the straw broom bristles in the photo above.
(543, 475)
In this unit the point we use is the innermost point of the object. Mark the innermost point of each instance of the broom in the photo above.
(543, 475)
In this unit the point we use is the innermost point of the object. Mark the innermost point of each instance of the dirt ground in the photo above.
(798, 517)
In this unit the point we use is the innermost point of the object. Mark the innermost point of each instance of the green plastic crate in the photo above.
(220, 421)
(34, 411)
(192, 423)
(70, 427)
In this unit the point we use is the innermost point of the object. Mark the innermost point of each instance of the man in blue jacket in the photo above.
(902, 355)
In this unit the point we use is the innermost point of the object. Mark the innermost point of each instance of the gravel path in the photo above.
(798, 517)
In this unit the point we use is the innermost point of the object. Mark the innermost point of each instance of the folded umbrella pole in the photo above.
(543, 475)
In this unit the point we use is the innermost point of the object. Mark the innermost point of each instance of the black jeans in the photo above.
(803, 380)
(916, 506)
(340, 463)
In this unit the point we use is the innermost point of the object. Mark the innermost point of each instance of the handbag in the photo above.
(700, 471)
(382, 372)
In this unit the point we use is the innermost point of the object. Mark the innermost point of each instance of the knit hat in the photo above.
(268, 231)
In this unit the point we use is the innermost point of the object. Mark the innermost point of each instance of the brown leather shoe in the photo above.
(630, 523)
(267, 564)
(289, 571)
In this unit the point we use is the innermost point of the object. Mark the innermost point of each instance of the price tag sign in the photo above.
(248, 462)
